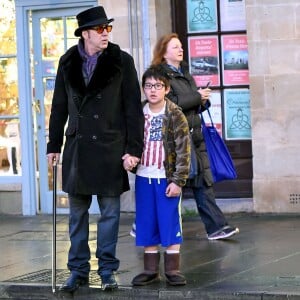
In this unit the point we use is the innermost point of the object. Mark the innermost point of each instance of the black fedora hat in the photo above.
(91, 17)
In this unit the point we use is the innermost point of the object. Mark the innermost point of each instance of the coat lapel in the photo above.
(108, 66)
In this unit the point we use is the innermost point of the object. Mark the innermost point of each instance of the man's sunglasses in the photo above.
(101, 28)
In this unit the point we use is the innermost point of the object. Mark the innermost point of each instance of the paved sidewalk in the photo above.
(262, 262)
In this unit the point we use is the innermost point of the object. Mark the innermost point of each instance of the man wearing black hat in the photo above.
(98, 92)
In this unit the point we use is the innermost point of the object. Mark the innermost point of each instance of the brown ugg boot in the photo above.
(172, 273)
(151, 270)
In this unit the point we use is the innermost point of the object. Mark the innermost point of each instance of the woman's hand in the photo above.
(205, 95)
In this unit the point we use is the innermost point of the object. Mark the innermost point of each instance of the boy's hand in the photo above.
(173, 190)
(130, 162)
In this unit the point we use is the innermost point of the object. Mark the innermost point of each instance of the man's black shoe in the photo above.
(108, 282)
(73, 283)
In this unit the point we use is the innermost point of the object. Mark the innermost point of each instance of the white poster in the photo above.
(215, 111)
(233, 15)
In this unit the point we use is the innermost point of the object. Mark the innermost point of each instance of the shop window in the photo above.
(9, 109)
(218, 53)
(214, 37)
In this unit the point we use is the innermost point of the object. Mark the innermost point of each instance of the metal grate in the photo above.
(294, 198)
(45, 276)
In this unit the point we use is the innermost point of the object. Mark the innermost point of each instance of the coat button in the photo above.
(94, 137)
(79, 136)
(96, 116)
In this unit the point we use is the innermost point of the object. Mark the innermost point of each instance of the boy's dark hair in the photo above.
(157, 73)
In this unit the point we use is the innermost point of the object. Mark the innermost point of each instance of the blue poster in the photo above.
(202, 16)
(237, 114)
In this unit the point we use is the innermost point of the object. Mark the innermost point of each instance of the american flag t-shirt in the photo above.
(153, 154)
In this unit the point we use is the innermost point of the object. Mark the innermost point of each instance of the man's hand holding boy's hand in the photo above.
(130, 162)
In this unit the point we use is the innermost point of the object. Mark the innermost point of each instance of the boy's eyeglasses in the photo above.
(157, 86)
(101, 28)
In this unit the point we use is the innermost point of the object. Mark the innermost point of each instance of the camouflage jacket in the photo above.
(176, 141)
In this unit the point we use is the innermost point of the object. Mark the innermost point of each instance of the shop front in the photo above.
(41, 33)
(247, 49)
(45, 31)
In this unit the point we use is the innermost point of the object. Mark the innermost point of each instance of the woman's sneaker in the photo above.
(224, 233)
(132, 231)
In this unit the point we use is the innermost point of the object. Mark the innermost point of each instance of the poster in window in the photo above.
(237, 114)
(235, 60)
(204, 60)
(202, 16)
(215, 111)
(233, 15)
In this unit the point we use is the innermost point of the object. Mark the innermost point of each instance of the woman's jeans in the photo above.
(107, 234)
(210, 213)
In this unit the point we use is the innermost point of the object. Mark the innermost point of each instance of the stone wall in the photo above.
(10, 199)
(273, 29)
(132, 37)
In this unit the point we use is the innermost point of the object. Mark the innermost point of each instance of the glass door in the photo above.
(53, 35)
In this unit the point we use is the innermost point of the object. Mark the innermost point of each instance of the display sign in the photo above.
(215, 111)
(202, 16)
(237, 114)
(204, 60)
(233, 15)
(235, 60)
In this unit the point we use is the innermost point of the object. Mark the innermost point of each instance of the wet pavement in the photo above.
(261, 262)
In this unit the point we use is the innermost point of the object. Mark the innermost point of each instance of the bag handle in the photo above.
(202, 119)
(192, 127)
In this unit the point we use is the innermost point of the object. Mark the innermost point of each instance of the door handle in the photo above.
(37, 106)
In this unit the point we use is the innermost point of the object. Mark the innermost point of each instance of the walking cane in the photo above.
(54, 228)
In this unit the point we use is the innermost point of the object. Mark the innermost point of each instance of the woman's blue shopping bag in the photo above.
(221, 163)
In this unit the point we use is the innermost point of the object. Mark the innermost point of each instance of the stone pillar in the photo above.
(273, 30)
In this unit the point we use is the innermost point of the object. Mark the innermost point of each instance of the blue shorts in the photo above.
(158, 217)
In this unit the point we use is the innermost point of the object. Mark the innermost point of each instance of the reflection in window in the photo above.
(9, 122)
(9, 108)
(53, 42)
(10, 147)
(7, 28)
(8, 86)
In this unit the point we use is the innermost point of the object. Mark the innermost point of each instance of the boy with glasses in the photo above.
(160, 176)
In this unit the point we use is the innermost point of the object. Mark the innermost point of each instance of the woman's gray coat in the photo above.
(185, 94)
